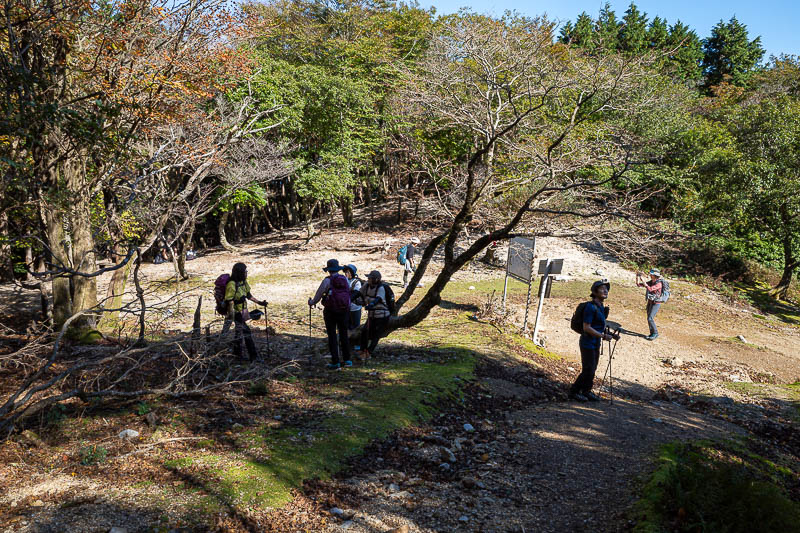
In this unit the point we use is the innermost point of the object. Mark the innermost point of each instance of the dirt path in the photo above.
(548, 464)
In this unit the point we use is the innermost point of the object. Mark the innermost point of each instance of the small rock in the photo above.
(741, 338)
(463, 518)
(468, 483)
(402, 495)
(151, 419)
(37, 503)
(445, 466)
(400, 529)
(32, 438)
(448, 455)
(468, 428)
(393, 487)
(599, 272)
(658, 420)
(337, 512)
(117, 529)
(472, 287)
(128, 434)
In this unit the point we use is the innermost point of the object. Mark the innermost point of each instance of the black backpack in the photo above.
(390, 304)
(576, 324)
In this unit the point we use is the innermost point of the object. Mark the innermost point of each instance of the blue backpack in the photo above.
(401, 255)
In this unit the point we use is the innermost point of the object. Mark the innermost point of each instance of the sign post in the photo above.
(547, 268)
(519, 264)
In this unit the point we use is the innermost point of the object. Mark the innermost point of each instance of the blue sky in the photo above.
(776, 21)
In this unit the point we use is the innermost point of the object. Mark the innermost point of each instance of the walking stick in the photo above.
(608, 370)
(266, 328)
(310, 341)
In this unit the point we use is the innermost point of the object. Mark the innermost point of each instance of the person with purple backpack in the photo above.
(334, 291)
(237, 291)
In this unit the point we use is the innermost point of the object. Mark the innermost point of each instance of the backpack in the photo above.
(219, 293)
(390, 304)
(338, 297)
(664, 291)
(576, 324)
(401, 254)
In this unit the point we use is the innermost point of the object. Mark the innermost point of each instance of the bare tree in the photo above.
(546, 131)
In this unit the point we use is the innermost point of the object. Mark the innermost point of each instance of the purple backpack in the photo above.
(338, 298)
(219, 293)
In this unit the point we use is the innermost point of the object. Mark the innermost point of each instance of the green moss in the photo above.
(715, 487)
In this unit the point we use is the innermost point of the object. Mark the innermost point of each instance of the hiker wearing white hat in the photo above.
(410, 264)
(654, 294)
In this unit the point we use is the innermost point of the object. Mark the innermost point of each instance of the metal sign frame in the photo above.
(519, 265)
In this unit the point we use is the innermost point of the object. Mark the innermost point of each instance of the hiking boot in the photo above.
(652, 336)
(334, 366)
(592, 397)
(578, 396)
(348, 363)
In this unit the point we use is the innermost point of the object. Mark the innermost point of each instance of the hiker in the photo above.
(409, 265)
(378, 301)
(351, 273)
(655, 294)
(594, 333)
(237, 290)
(334, 291)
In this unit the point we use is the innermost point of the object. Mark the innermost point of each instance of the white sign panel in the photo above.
(520, 258)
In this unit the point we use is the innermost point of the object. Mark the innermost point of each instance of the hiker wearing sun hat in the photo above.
(410, 264)
(594, 333)
(351, 273)
(656, 293)
(334, 291)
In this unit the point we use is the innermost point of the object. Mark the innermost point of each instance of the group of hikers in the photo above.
(590, 321)
(343, 296)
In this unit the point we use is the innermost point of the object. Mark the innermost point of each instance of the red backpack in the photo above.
(338, 297)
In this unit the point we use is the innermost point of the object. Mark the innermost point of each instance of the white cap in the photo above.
(414, 240)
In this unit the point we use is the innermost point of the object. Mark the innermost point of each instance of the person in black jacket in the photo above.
(594, 333)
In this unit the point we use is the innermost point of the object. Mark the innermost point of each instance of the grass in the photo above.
(716, 488)
(758, 296)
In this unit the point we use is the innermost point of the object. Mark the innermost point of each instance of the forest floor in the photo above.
(458, 424)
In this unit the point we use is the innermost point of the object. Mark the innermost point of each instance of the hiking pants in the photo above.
(337, 320)
(241, 329)
(355, 319)
(589, 359)
(372, 333)
(652, 309)
(406, 270)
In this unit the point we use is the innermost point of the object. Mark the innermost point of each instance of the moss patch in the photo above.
(716, 487)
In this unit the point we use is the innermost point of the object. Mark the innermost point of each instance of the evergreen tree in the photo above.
(565, 35)
(730, 54)
(657, 34)
(686, 53)
(607, 28)
(633, 38)
(583, 32)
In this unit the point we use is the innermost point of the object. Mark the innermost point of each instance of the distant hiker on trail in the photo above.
(334, 291)
(656, 293)
(378, 300)
(405, 256)
(594, 333)
(351, 273)
(237, 290)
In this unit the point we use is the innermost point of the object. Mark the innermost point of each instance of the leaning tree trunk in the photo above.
(223, 239)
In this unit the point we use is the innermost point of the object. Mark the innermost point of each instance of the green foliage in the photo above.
(92, 455)
(142, 408)
(55, 415)
(715, 488)
(730, 54)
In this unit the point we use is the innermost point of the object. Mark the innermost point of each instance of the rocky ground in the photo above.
(516, 456)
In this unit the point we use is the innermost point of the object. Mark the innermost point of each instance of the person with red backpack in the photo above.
(593, 333)
(334, 291)
(237, 290)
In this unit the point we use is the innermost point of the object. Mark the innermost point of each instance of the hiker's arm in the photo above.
(259, 302)
(655, 287)
(230, 309)
(589, 330)
(323, 288)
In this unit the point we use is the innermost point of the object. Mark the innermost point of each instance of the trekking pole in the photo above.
(310, 341)
(608, 370)
(266, 328)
